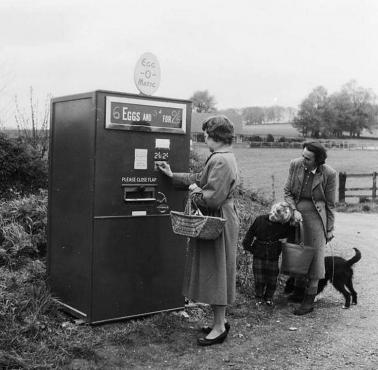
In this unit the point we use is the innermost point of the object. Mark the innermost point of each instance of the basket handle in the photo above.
(299, 233)
(191, 202)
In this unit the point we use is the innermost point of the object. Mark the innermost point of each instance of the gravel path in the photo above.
(328, 338)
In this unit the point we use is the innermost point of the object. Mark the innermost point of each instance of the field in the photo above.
(278, 129)
(287, 130)
(266, 169)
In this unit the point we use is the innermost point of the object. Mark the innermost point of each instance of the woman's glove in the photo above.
(193, 187)
(297, 216)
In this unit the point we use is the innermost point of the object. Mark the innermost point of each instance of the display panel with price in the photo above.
(145, 115)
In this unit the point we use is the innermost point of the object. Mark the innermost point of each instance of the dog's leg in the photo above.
(321, 285)
(340, 287)
(349, 285)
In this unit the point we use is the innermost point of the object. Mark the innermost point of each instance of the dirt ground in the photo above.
(328, 338)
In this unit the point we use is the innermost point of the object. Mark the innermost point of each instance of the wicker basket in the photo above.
(193, 224)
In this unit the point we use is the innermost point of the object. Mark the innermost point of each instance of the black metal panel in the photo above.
(71, 201)
(103, 262)
(138, 267)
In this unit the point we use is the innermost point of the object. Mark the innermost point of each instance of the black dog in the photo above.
(340, 273)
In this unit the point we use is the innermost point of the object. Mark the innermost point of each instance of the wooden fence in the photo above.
(342, 189)
(298, 145)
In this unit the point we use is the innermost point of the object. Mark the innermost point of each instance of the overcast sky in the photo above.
(253, 52)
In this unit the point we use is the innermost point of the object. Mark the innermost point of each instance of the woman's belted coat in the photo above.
(210, 271)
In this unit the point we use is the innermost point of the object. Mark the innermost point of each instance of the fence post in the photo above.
(342, 180)
(374, 192)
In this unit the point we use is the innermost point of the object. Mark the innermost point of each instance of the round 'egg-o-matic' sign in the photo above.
(147, 74)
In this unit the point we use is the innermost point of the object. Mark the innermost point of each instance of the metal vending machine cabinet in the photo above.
(111, 250)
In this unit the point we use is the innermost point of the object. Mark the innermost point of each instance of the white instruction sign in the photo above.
(162, 143)
(140, 159)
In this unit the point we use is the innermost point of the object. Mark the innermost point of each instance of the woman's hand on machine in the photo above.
(165, 168)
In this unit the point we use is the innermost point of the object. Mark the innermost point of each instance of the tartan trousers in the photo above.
(265, 274)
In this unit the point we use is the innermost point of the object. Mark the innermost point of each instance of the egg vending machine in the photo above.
(111, 250)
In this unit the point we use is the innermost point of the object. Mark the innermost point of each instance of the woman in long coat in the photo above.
(310, 190)
(210, 272)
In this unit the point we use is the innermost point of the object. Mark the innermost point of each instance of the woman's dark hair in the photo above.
(219, 128)
(318, 150)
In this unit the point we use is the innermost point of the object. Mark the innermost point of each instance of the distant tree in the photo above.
(361, 108)
(312, 113)
(351, 110)
(234, 116)
(32, 123)
(253, 115)
(203, 102)
(270, 138)
(274, 113)
(290, 113)
(340, 118)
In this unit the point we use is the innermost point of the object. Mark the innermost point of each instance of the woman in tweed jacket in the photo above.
(310, 190)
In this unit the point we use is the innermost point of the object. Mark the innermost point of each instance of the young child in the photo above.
(263, 241)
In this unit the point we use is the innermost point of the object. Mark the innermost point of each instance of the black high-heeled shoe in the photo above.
(209, 342)
(208, 329)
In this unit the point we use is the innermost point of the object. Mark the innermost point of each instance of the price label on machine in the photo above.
(162, 147)
(161, 154)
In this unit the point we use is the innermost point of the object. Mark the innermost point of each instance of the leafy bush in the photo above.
(269, 138)
(200, 137)
(22, 170)
(196, 162)
(282, 139)
(23, 223)
(249, 205)
(255, 138)
(32, 334)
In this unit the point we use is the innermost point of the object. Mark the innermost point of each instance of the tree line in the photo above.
(203, 102)
(349, 111)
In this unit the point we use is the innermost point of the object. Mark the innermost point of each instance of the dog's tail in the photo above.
(355, 258)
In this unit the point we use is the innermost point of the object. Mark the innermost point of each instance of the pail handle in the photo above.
(299, 234)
